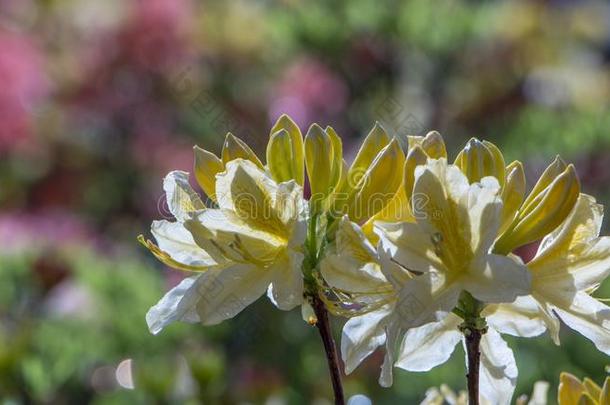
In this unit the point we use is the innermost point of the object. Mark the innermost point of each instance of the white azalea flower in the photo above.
(250, 244)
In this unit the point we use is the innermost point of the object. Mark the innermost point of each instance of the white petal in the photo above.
(484, 211)
(361, 336)
(178, 304)
(498, 376)
(210, 298)
(590, 318)
(497, 279)
(426, 298)
(393, 333)
(286, 289)
(217, 230)
(175, 240)
(519, 318)
(429, 345)
(181, 198)
(408, 244)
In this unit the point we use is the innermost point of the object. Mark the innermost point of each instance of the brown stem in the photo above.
(473, 341)
(330, 348)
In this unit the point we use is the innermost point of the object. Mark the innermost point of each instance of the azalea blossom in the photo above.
(571, 262)
(250, 244)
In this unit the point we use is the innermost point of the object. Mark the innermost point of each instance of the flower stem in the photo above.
(473, 341)
(473, 328)
(330, 348)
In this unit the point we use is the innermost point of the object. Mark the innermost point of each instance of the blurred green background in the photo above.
(99, 100)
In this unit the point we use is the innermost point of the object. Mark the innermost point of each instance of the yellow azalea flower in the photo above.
(572, 391)
(251, 244)
(365, 286)
(448, 243)
(571, 262)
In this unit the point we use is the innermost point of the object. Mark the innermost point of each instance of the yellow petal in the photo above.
(297, 156)
(379, 183)
(591, 387)
(235, 148)
(319, 164)
(570, 389)
(415, 157)
(587, 399)
(207, 165)
(499, 162)
(248, 192)
(396, 210)
(604, 397)
(337, 166)
(513, 193)
(545, 212)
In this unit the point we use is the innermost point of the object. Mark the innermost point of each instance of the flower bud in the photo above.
(553, 170)
(235, 148)
(379, 183)
(207, 165)
(374, 142)
(480, 159)
(296, 147)
(281, 160)
(432, 144)
(319, 164)
(543, 213)
(513, 193)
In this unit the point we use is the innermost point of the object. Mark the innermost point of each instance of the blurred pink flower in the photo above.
(24, 84)
(309, 91)
(20, 232)
(155, 34)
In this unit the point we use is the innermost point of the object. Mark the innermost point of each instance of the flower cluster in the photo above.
(416, 251)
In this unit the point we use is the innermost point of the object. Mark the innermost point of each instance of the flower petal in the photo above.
(216, 230)
(426, 298)
(210, 297)
(499, 279)
(181, 198)
(176, 241)
(178, 304)
(498, 377)
(407, 244)
(573, 257)
(248, 192)
(429, 345)
(590, 318)
(286, 288)
(361, 336)
(519, 318)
